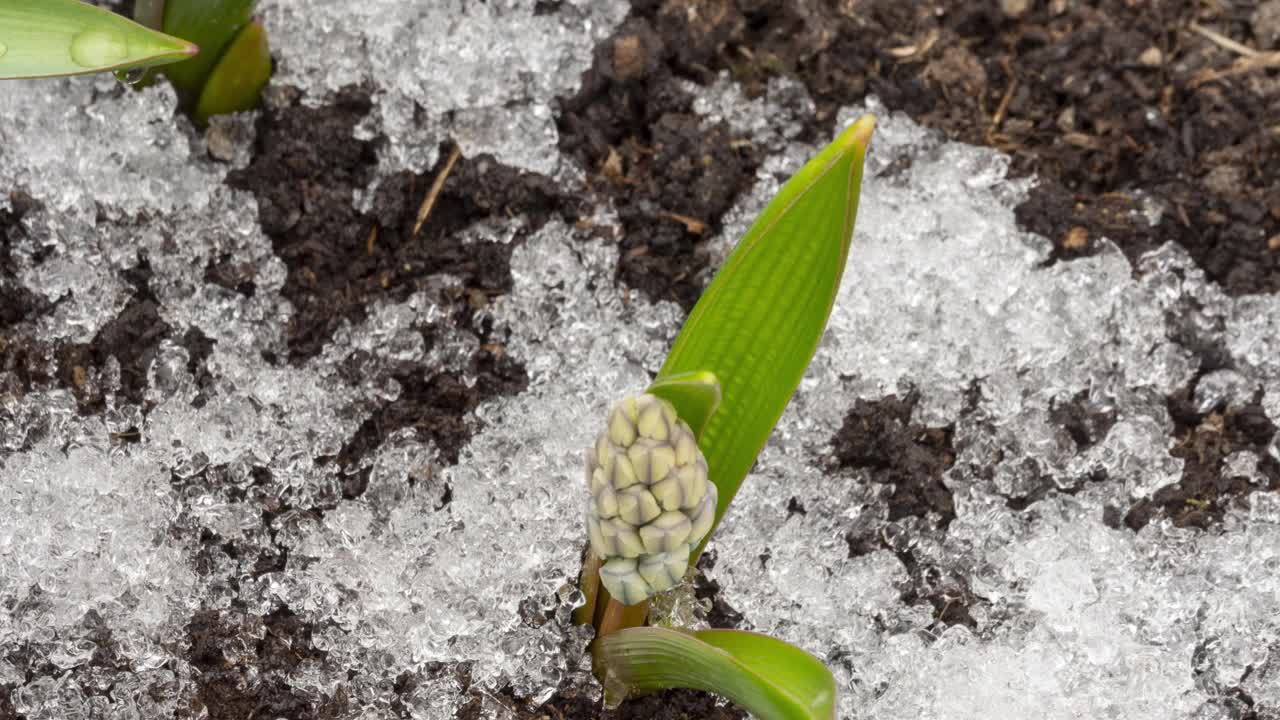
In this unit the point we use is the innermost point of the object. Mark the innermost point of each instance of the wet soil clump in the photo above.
(880, 438)
(306, 170)
(671, 174)
(234, 682)
(437, 405)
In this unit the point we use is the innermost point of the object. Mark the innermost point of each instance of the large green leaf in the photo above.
(50, 38)
(768, 677)
(759, 322)
(211, 24)
(237, 80)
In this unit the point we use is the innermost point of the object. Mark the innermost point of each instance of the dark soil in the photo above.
(437, 405)
(307, 165)
(113, 364)
(1099, 99)
(235, 682)
(722, 614)
(24, 362)
(1080, 425)
(17, 304)
(670, 705)
(671, 175)
(674, 705)
(948, 593)
(879, 437)
(1206, 490)
(908, 460)
(1085, 424)
(131, 338)
(31, 660)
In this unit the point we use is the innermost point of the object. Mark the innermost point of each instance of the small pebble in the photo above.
(1067, 119)
(1014, 8)
(1077, 238)
(629, 57)
(1151, 57)
(1266, 25)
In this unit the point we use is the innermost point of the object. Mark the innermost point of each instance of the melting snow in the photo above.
(99, 540)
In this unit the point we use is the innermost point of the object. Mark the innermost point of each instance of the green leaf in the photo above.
(759, 322)
(237, 80)
(211, 24)
(695, 396)
(769, 678)
(149, 13)
(51, 38)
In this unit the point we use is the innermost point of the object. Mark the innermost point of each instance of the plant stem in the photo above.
(601, 611)
(620, 617)
(589, 582)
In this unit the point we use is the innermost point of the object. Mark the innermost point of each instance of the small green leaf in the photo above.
(695, 396)
(759, 322)
(237, 80)
(212, 24)
(51, 38)
(769, 678)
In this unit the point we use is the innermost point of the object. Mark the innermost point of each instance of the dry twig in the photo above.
(1003, 107)
(693, 225)
(1240, 67)
(429, 202)
(1223, 41)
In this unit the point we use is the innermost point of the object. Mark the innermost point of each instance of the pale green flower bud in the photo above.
(651, 502)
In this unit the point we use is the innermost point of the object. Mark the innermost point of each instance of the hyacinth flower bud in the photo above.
(651, 503)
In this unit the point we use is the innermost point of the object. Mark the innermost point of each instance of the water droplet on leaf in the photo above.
(96, 48)
(131, 77)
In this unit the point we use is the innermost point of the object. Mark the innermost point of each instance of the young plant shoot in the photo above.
(212, 51)
(666, 466)
(235, 60)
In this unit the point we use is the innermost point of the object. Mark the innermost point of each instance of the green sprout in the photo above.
(212, 51)
(730, 374)
(235, 63)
